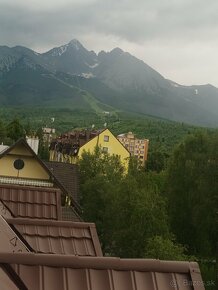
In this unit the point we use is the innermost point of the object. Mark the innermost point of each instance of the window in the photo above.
(18, 164)
(106, 138)
(105, 149)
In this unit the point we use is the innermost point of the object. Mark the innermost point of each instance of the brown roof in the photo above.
(58, 237)
(31, 202)
(55, 272)
(10, 280)
(67, 174)
(10, 241)
(4, 211)
(68, 213)
(80, 136)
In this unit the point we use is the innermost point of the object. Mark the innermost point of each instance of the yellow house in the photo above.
(109, 144)
(70, 147)
(20, 167)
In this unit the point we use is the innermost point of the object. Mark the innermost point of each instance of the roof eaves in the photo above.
(100, 262)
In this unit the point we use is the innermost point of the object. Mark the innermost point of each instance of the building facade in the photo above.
(23, 172)
(70, 146)
(136, 147)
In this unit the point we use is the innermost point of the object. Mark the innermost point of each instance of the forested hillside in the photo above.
(163, 134)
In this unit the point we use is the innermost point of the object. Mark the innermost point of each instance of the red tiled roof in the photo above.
(58, 237)
(55, 272)
(31, 202)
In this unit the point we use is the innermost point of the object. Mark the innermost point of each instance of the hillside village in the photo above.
(41, 250)
(108, 145)
(81, 219)
(70, 146)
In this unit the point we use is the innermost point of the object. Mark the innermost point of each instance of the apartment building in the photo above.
(136, 147)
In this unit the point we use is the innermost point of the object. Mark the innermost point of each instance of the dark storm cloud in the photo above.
(135, 21)
(152, 26)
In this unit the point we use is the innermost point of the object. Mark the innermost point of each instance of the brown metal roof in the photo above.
(55, 272)
(4, 211)
(31, 202)
(10, 241)
(67, 174)
(58, 237)
(10, 280)
(68, 213)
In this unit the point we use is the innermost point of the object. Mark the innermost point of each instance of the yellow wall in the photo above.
(114, 146)
(32, 168)
(20, 149)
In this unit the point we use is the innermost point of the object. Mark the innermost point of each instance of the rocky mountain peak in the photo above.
(75, 44)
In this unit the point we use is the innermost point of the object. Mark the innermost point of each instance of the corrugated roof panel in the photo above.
(77, 278)
(164, 281)
(6, 282)
(182, 280)
(40, 272)
(122, 280)
(4, 211)
(53, 278)
(9, 240)
(41, 203)
(97, 278)
(59, 237)
(31, 276)
(144, 281)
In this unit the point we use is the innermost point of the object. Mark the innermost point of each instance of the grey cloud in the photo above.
(173, 28)
(134, 21)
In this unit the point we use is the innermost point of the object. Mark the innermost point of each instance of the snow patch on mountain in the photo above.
(87, 75)
(59, 51)
(94, 65)
(7, 62)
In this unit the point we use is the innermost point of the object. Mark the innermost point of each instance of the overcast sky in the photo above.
(178, 38)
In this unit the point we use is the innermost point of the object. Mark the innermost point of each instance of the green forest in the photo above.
(165, 210)
(171, 214)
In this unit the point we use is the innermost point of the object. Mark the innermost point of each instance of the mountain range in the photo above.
(73, 77)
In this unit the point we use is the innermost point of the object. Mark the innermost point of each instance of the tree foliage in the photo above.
(128, 209)
(192, 189)
(161, 248)
(15, 130)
